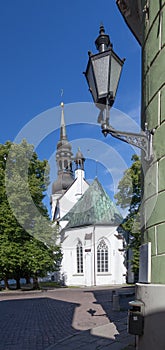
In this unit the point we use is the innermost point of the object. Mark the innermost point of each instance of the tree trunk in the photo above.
(27, 279)
(18, 285)
(35, 283)
(6, 283)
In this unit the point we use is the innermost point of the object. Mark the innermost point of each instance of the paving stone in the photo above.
(39, 321)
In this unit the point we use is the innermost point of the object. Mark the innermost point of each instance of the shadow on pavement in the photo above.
(112, 335)
(43, 323)
(34, 324)
(118, 318)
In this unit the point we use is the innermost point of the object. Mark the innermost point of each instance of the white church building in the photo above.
(88, 219)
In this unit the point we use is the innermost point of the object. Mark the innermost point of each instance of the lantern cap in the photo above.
(103, 41)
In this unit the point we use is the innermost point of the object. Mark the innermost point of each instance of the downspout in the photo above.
(94, 256)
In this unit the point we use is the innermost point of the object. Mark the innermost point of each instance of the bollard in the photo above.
(113, 293)
(115, 303)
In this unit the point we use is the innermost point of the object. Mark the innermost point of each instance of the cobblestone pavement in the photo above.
(37, 320)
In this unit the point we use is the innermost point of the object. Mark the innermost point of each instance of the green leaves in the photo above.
(129, 196)
(27, 238)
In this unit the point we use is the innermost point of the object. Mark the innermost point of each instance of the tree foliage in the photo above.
(27, 238)
(129, 196)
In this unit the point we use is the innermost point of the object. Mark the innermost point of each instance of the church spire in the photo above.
(63, 126)
(64, 158)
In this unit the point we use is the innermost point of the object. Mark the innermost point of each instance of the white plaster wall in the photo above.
(54, 198)
(68, 200)
(71, 196)
(117, 271)
(69, 261)
(153, 297)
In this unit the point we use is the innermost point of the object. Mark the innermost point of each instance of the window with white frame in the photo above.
(79, 257)
(102, 257)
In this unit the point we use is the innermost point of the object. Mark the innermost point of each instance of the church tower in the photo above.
(64, 159)
(79, 161)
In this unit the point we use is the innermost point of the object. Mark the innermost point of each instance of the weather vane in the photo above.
(62, 92)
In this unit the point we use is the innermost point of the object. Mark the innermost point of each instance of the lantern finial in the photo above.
(103, 41)
(102, 30)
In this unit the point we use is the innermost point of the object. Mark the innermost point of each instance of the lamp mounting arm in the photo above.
(142, 140)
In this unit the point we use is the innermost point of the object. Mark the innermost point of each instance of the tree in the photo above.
(39, 259)
(27, 238)
(129, 196)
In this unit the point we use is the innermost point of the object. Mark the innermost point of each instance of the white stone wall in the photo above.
(72, 195)
(90, 276)
(152, 295)
(54, 198)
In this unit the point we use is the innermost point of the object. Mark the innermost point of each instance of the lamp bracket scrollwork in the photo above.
(142, 140)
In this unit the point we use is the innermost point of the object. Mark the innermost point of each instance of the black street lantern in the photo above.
(103, 71)
(103, 75)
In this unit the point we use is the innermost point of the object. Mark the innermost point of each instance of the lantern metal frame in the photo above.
(141, 140)
(109, 95)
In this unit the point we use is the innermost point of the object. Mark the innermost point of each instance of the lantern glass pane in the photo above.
(116, 67)
(91, 82)
(101, 71)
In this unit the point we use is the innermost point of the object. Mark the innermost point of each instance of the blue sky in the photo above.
(44, 48)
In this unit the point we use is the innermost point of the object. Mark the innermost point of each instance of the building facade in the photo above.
(146, 19)
(92, 248)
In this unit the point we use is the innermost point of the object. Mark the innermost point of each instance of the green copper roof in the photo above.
(94, 207)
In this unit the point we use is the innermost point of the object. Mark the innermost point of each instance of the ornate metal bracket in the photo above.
(142, 140)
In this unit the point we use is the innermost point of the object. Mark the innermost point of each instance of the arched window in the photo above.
(102, 257)
(79, 258)
(60, 164)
